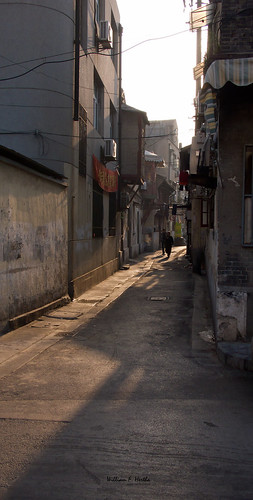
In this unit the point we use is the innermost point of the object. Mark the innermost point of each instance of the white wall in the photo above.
(37, 108)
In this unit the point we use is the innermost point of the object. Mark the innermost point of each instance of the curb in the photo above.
(236, 355)
(30, 316)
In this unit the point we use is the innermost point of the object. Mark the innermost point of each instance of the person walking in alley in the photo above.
(168, 243)
(163, 240)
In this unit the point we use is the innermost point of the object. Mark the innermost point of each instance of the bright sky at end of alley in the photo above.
(157, 75)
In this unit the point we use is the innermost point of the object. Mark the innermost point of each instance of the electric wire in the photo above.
(96, 52)
(92, 52)
(70, 59)
(38, 5)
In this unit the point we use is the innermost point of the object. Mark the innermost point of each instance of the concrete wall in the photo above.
(33, 241)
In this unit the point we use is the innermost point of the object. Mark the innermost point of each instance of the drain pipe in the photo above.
(120, 137)
(77, 61)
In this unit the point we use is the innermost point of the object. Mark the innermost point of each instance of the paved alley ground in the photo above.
(120, 395)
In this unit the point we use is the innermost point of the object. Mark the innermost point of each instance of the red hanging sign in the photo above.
(107, 179)
(183, 178)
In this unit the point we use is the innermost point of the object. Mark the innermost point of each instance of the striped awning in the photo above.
(237, 71)
(221, 71)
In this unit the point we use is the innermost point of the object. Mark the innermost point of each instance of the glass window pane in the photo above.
(248, 221)
(248, 172)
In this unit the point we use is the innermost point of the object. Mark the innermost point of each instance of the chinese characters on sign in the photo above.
(107, 179)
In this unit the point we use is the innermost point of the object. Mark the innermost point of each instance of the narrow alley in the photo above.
(120, 395)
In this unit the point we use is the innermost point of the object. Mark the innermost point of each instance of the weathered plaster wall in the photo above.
(33, 241)
(231, 315)
(235, 263)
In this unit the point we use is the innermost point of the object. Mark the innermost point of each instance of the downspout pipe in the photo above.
(120, 110)
(120, 134)
(77, 61)
(75, 118)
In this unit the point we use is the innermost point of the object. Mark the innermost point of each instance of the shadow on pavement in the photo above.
(120, 410)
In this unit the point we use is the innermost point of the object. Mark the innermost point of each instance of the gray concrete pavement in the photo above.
(120, 395)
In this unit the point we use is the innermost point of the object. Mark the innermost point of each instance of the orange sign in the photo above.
(107, 179)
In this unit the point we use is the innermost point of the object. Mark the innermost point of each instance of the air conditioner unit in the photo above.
(105, 34)
(110, 150)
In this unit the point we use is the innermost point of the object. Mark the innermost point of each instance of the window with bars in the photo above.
(248, 197)
(98, 104)
(204, 213)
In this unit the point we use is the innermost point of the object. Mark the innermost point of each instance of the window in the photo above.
(82, 140)
(112, 214)
(83, 24)
(204, 213)
(211, 204)
(97, 10)
(98, 211)
(248, 197)
(98, 104)
(115, 43)
(113, 121)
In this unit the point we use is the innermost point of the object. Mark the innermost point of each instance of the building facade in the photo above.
(62, 108)
(59, 107)
(221, 170)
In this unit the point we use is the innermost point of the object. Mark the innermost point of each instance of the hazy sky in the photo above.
(157, 75)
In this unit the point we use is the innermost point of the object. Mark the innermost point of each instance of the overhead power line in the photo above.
(60, 61)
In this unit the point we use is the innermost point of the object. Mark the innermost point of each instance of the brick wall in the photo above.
(236, 28)
(233, 272)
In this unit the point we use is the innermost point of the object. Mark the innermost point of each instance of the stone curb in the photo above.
(30, 316)
(236, 355)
